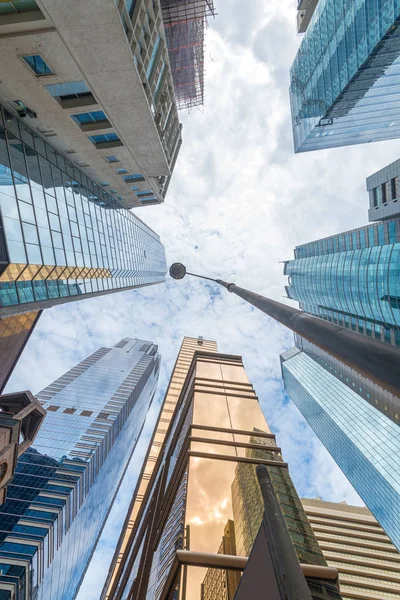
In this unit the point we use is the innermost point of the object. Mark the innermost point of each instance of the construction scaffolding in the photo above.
(185, 22)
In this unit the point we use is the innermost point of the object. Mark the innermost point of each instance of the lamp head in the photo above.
(177, 271)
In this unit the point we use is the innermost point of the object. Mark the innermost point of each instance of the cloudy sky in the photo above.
(240, 201)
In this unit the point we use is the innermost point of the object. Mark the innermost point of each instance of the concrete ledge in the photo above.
(95, 126)
(110, 144)
(77, 102)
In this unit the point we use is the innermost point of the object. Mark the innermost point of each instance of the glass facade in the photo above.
(352, 279)
(202, 486)
(62, 237)
(14, 334)
(345, 78)
(363, 442)
(384, 401)
(66, 483)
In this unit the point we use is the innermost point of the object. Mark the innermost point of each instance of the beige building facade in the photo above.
(353, 541)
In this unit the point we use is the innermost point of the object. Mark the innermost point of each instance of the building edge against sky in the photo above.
(63, 238)
(351, 278)
(198, 486)
(127, 141)
(362, 440)
(353, 542)
(345, 75)
(104, 80)
(66, 483)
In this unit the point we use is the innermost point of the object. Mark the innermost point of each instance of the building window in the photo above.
(104, 183)
(103, 138)
(112, 159)
(120, 171)
(67, 91)
(137, 177)
(145, 193)
(384, 198)
(86, 413)
(150, 67)
(52, 408)
(103, 415)
(16, 6)
(135, 188)
(393, 184)
(98, 116)
(69, 411)
(37, 65)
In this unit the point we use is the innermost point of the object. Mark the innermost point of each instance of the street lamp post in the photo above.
(375, 360)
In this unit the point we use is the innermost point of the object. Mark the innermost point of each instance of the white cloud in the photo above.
(239, 202)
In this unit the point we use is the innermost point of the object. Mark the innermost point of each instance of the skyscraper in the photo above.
(66, 482)
(344, 76)
(99, 83)
(62, 237)
(197, 491)
(362, 440)
(353, 542)
(352, 278)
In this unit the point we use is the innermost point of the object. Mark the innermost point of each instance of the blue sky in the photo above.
(238, 204)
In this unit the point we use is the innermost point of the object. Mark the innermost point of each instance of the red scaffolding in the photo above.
(185, 22)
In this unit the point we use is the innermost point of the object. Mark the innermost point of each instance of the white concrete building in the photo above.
(94, 76)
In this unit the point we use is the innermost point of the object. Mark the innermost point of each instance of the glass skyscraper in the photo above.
(345, 77)
(62, 237)
(352, 279)
(66, 482)
(198, 490)
(364, 442)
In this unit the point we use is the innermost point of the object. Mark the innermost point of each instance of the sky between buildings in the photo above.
(239, 202)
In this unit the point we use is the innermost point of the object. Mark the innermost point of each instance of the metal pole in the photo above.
(291, 581)
(375, 360)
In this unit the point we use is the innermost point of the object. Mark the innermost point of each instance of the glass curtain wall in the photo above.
(203, 481)
(62, 235)
(345, 78)
(352, 279)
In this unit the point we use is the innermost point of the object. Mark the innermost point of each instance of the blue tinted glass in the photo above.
(90, 117)
(120, 171)
(137, 177)
(144, 193)
(392, 232)
(355, 433)
(343, 90)
(153, 58)
(67, 89)
(112, 158)
(104, 137)
(381, 235)
(92, 465)
(37, 64)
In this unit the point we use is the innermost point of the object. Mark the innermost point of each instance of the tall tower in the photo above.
(66, 483)
(353, 542)
(350, 416)
(196, 499)
(343, 78)
(62, 236)
(352, 278)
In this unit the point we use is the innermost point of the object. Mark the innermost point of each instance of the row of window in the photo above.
(375, 234)
(79, 89)
(386, 191)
